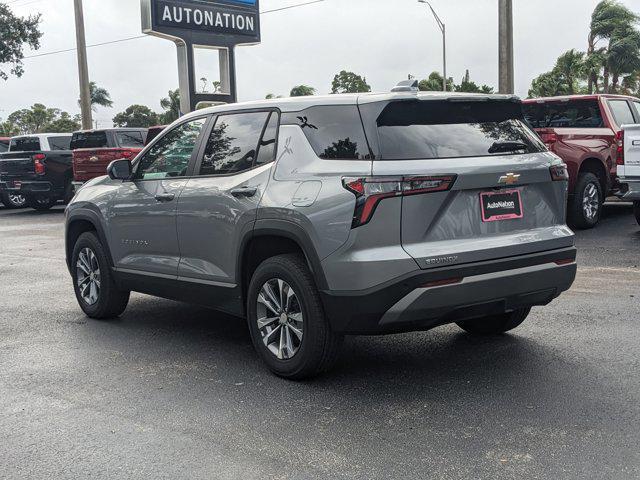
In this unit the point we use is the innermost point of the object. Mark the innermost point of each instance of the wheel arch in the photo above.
(598, 168)
(275, 237)
(79, 222)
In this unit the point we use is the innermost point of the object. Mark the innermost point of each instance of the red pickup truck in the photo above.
(585, 131)
(94, 150)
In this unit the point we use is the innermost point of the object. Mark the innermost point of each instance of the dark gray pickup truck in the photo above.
(36, 171)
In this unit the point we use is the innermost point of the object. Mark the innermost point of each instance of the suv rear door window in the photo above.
(232, 146)
(25, 144)
(130, 139)
(574, 114)
(621, 112)
(59, 143)
(89, 140)
(445, 129)
(334, 131)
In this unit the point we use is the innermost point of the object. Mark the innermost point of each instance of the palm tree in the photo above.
(171, 105)
(571, 67)
(99, 96)
(302, 91)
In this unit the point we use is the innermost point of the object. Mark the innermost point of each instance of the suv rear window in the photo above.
(130, 139)
(434, 129)
(334, 131)
(25, 144)
(59, 143)
(89, 140)
(574, 114)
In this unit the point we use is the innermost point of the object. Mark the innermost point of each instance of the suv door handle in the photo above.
(165, 197)
(244, 192)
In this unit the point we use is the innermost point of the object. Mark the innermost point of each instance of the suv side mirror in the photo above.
(120, 169)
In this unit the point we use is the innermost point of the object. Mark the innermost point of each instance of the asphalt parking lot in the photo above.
(175, 391)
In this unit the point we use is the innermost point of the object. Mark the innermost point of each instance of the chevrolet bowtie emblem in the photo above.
(509, 178)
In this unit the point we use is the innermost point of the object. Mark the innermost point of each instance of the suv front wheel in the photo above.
(287, 323)
(96, 291)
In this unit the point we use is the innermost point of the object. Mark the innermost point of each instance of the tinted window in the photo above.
(89, 140)
(59, 143)
(621, 112)
(130, 139)
(445, 129)
(233, 144)
(267, 148)
(576, 114)
(334, 132)
(170, 156)
(4, 146)
(25, 144)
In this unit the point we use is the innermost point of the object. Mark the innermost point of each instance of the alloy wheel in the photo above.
(591, 202)
(17, 200)
(280, 320)
(88, 276)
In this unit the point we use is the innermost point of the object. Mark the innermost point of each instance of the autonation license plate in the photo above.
(502, 205)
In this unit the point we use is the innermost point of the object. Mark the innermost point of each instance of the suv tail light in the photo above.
(370, 191)
(620, 148)
(38, 163)
(559, 173)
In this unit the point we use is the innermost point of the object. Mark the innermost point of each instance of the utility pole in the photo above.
(83, 69)
(506, 82)
(442, 27)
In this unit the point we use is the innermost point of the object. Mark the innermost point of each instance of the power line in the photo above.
(127, 39)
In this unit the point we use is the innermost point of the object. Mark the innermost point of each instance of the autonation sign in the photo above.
(235, 21)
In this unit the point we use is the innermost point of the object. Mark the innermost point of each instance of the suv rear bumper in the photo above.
(416, 301)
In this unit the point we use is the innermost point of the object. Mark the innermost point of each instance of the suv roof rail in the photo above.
(406, 86)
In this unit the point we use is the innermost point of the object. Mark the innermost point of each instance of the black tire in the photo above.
(581, 216)
(320, 346)
(111, 301)
(12, 201)
(636, 211)
(495, 324)
(41, 203)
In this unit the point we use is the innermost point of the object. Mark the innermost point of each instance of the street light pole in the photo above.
(443, 29)
(506, 82)
(83, 69)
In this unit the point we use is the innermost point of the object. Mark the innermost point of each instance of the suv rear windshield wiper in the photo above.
(508, 147)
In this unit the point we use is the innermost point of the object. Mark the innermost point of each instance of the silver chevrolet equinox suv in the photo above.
(319, 217)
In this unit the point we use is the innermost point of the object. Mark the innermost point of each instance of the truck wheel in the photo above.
(585, 206)
(287, 323)
(13, 200)
(41, 202)
(495, 324)
(93, 282)
(636, 211)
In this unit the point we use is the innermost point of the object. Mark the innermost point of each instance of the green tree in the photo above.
(468, 86)
(15, 33)
(349, 82)
(434, 83)
(614, 25)
(136, 116)
(549, 84)
(64, 124)
(302, 91)
(8, 129)
(171, 107)
(99, 96)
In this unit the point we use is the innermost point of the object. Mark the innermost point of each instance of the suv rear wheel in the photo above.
(93, 282)
(495, 324)
(13, 200)
(287, 323)
(636, 211)
(585, 207)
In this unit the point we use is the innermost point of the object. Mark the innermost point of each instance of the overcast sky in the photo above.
(383, 40)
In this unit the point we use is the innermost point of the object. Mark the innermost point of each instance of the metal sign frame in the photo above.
(219, 24)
